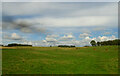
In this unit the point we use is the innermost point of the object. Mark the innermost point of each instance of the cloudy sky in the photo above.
(54, 23)
(60, 0)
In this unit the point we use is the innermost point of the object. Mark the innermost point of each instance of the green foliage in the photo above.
(66, 45)
(93, 43)
(98, 44)
(110, 42)
(15, 44)
(57, 60)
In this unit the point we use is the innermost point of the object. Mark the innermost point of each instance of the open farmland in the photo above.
(57, 60)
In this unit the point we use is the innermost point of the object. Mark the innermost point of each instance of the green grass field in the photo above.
(56, 60)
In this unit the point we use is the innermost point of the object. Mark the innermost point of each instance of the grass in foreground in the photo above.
(55, 60)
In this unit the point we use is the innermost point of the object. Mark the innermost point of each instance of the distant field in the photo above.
(56, 60)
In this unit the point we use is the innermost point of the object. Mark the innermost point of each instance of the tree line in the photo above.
(15, 44)
(105, 43)
(66, 45)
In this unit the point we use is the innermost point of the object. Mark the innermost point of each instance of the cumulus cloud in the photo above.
(67, 37)
(13, 36)
(105, 38)
(50, 40)
(72, 42)
(35, 43)
(100, 38)
(44, 41)
(106, 33)
(84, 35)
(86, 40)
(52, 36)
(54, 42)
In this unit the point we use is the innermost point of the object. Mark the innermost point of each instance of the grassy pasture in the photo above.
(56, 60)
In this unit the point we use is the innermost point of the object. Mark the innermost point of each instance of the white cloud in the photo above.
(50, 40)
(44, 16)
(71, 21)
(84, 35)
(13, 36)
(44, 41)
(105, 38)
(72, 42)
(54, 42)
(60, 0)
(30, 43)
(35, 43)
(52, 36)
(106, 33)
(67, 37)
(86, 40)
(70, 9)
(54, 15)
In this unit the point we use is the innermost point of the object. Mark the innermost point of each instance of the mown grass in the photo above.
(56, 60)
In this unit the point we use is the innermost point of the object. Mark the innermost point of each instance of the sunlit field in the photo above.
(58, 60)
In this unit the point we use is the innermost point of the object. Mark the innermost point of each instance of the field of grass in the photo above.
(56, 60)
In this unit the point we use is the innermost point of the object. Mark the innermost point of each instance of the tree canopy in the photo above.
(104, 43)
(93, 43)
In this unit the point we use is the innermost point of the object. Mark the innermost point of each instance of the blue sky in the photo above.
(54, 23)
